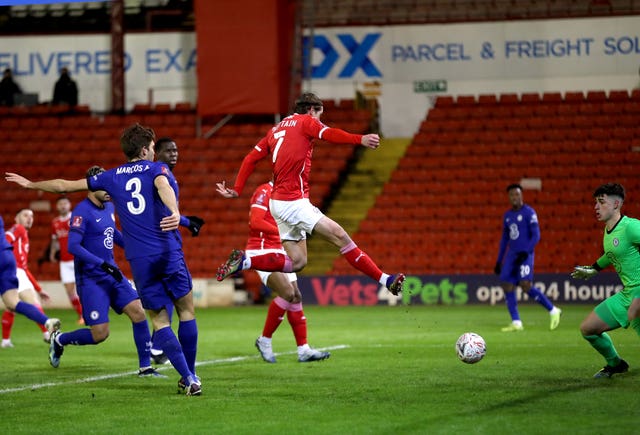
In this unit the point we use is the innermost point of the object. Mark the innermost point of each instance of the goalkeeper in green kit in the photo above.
(621, 243)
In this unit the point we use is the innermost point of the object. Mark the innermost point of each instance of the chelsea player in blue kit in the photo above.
(520, 234)
(145, 194)
(100, 283)
(167, 152)
(9, 287)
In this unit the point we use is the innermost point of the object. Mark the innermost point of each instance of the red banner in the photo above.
(244, 53)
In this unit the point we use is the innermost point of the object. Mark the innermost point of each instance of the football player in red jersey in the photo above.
(59, 241)
(263, 239)
(18, 237)
(290, 145)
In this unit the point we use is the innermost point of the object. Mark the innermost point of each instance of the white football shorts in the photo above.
(295, 218)
(67, 272)
(24, 283)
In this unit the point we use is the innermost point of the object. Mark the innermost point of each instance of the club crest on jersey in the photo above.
(77, 221)
(165, 170)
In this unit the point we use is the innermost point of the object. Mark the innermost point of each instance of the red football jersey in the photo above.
(18, 236)
(263, 231)
(60, 231)
(290, 144)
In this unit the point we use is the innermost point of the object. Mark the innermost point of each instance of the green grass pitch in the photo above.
(393, 370)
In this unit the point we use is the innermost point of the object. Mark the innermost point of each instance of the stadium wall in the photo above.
(360, 290)
(451, 290)
(411, 64)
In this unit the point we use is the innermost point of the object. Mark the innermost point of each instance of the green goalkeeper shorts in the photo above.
(614, 310)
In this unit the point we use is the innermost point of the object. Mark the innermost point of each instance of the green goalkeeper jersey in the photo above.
(621, 250)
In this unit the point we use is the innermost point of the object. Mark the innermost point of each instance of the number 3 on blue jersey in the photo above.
(137, 203)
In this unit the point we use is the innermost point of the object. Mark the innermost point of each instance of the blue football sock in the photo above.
(512, 305)
(168, 342)
(169, 308)
(79, 337)
(32, 312)
(535, 294)
(142, 339)
(188, 336)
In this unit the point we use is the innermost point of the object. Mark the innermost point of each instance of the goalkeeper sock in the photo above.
(603, 344)
(535, 294)
(275, 314)
(635, 325)
(142, 339)
(512, 305)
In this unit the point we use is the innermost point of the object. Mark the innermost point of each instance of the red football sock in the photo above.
(42, 327)
(272, 262)
(277, 308)
(75, 301)
(298, 323)
(7, 324)
(361, 261)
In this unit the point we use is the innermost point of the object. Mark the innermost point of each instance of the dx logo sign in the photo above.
(359, 59)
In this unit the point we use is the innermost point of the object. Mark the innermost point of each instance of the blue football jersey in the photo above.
(4, 244)
(94, 229)
(521, 229)
(139, 207)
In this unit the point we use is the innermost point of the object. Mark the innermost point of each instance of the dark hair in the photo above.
(60, 198)
(160, 143)
(610, 189)
(94, 170)
(307, 101)
(514, 186)
(135, 138)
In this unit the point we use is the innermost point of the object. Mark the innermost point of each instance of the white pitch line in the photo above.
(160, 368)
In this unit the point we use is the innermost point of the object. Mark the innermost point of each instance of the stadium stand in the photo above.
(81, 140)
(177, 15)
(450, 183)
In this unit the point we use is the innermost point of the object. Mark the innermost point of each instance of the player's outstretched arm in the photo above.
(57, 185)
(370, 141)
(225, 191)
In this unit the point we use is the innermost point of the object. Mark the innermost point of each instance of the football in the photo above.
(470, 348)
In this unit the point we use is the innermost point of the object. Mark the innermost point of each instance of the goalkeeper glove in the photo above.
(112, 270)
(583, 272)
(195, 223)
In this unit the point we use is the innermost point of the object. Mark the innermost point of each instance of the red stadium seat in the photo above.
(596, 96)
(509, 99)
(618, 95)
(530, 98)
(490, 99)
(444, 101)
(465, 100)
(573, 97)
